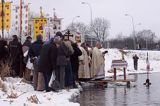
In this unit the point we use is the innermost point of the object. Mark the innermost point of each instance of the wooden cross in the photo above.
(68, 34)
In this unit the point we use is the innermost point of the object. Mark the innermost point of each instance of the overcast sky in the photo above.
(146, 12)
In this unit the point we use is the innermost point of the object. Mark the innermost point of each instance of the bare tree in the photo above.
(146, 36)
(120, 36)
(79, 27)
(100, 28)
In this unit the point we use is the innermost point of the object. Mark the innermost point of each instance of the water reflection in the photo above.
(93, 97)
(138, 95)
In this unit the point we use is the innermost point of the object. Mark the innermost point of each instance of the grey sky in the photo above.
(146, 12)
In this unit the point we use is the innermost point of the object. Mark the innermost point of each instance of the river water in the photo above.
(116, 95)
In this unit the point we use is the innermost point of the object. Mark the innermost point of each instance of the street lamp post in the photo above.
(90, 7)
(20, 14)
(29, 23)
(134, 39)
(138, 45)
(74, 19)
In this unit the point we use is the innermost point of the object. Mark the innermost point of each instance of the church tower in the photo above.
(57, 26)
(53, 26)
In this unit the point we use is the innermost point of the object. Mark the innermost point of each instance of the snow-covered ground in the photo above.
(18, 93)
(114, 54)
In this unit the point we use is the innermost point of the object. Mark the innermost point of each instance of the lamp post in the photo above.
(138, 45)
(74, 19)
(134, 39)
(29, 21)
(90, 7)
(20, 14)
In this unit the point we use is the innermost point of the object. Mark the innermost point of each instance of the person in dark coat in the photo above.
(135, 61)
(28, 41)
(75, 62)
(35, 48)
(16, 56)
(34, 53)
(47, 61)
(25, 48)
(4, 53)
(61, 62)
(69, 80)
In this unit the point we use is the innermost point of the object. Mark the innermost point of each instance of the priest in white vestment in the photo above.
(97, 65)
(84, 71)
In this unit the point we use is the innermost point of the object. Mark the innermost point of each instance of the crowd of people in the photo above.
(55, 64)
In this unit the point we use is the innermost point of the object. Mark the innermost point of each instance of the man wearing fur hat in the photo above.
(34, 52)
(48, 59)
(16, 55)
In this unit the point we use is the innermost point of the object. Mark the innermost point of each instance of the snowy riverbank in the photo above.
(18, 93)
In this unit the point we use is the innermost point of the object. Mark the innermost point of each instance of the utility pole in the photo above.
(20, 31)
(90, 7)
(29, 25)
(134, 34)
